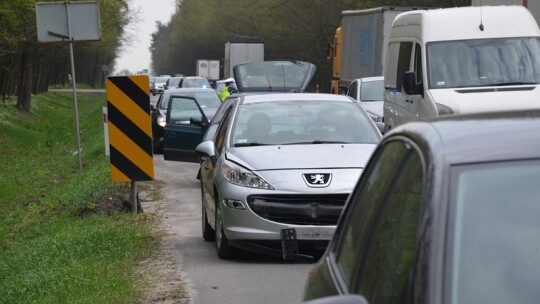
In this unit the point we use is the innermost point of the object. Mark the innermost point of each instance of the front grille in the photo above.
(322, 209)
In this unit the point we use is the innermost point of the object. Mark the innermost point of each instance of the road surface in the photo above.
(250, 279)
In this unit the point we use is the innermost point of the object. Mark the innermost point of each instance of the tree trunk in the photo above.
(24, 94)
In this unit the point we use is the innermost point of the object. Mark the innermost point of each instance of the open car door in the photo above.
(185, 127)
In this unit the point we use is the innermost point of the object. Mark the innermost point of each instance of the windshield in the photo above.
(173, 82)
(495, 237)
(205, 99)
(274, 76)
(372, 91)
(302, 122)
(161, 79)
(486, 62)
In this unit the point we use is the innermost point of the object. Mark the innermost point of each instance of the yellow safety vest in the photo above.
(224, 93)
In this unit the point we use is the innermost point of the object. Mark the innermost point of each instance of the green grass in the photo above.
(48, 253)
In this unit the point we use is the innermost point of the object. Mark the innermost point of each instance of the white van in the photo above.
(461, 60)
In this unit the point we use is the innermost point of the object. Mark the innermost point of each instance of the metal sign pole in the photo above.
(133, 197)
(74, 87)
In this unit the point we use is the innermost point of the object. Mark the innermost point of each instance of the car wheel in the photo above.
(156, 148)
(224, 250)
(208, 232)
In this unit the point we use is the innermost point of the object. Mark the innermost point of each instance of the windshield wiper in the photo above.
(316, 142)
(514, 83)
(250, 144)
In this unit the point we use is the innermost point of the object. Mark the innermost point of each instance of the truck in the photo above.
(208, 68)
(532, 5)
(360, 44)
(237, 52)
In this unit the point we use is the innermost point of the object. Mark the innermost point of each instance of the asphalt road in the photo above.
(252, 278)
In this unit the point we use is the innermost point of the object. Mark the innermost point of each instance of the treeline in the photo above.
(290, 29)
(28, 67)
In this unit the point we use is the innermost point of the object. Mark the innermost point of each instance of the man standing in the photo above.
(228, 89)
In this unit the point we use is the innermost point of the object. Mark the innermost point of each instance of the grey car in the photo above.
(446, 211)
(279, 169)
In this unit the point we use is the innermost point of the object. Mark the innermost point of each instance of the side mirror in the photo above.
(409, 79)
(206, 148)
(198, 121)
(380, 126)
(345, 299)
(409, 84)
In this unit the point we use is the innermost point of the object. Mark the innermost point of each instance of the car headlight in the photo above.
(161, 121)
(237, 175)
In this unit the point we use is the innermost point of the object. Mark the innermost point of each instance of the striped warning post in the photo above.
(130, 128)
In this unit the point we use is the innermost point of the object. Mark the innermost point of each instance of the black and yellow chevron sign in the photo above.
(130, 128)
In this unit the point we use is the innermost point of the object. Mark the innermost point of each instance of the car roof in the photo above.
(193, 77)
(369, 79)
(266, 97)
(460, 139)
(190, 90)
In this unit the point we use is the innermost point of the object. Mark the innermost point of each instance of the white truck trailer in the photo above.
(208, 68)
(241, 52)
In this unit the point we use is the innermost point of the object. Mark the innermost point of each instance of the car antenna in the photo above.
(481, 26)
(283, 72)
(268, 82)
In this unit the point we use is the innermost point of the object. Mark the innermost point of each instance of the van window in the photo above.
(404, 63)
(391, 66)
(418, 63)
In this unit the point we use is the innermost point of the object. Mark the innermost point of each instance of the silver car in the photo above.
(279, 169)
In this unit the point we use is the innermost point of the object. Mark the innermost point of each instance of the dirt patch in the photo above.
(159, 275)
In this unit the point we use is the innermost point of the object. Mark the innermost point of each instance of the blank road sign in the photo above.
(52, 21)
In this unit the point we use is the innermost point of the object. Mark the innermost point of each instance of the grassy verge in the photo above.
(49, 253)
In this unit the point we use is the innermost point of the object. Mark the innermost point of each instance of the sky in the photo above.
(136, 56)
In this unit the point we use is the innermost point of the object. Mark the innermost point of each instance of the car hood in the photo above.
(302, 156)
(489, 99)
(274, 76)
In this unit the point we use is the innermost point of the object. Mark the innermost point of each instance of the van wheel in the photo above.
(224, 250)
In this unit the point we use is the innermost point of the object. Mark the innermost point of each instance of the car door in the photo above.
(373, 254)
(396, 102)
(185, 127)
(209, 164)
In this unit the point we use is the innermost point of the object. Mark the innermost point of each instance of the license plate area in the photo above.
(289, 244)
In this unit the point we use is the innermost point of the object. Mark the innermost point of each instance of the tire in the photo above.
(224, 249)
(208, 232)
(156, 148)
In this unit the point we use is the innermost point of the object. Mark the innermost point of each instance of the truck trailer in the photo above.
(241, 52)
(208, 68)
(360, 45)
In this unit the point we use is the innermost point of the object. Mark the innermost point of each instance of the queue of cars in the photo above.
(438, 211)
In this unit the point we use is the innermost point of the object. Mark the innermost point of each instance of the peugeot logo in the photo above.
(317, 180)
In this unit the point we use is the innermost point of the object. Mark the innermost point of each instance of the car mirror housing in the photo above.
(341, 299)
(198, 121)
(206, 148)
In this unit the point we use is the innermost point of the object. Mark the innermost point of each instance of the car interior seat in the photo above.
(258, 127)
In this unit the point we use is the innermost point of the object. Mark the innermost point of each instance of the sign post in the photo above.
(55, 24)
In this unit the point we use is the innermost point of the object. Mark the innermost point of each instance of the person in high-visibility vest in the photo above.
(227, 90)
